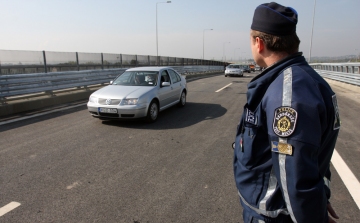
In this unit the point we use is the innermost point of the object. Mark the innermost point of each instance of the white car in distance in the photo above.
(234, 70)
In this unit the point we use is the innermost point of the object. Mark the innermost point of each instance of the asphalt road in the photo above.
(69, 167)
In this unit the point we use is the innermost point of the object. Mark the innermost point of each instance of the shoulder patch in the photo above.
(250, 117)
(284, 121)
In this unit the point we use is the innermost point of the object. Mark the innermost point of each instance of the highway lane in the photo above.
(69, 167)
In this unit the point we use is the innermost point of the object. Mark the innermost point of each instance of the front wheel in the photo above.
(182, 100)
(153, 112)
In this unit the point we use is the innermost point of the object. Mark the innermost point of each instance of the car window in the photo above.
(123, 79)
(178, 76)
(165, 76)
(174, 76)
(137, 78)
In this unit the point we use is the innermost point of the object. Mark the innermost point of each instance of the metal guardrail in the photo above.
(348, 78)
(344, 72)
(338, 67)
(27, 84)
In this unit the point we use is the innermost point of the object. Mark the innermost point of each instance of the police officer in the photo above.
(288, 129)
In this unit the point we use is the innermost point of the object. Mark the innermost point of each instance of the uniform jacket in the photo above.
(284, 143)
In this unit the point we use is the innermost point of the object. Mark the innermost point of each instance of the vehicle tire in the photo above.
(153, 112)
(225, 75)
(182, 100)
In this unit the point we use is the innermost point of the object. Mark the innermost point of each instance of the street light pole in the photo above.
(157, 49)
(234, 53)
(244, 57)
(204, 41)
(224, 51)
(312, 30)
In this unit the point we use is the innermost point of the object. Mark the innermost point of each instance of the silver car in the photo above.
(139, 92)
(234, 70)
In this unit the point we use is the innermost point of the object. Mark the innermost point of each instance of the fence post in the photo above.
(136, 62)
(120, 60)
(44, 57)
(102, 61)
(77, 61)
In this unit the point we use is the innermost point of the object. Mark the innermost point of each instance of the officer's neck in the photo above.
(271, 58)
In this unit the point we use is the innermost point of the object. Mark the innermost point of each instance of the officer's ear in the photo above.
(259, 44)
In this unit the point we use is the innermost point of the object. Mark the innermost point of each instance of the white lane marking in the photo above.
(40, 114)
(75, 184)
(9, 207)
(223, 87)
(349, 179)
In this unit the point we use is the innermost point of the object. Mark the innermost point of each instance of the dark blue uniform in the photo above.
(284, 143)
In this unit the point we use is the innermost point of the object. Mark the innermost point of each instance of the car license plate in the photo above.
(108, 110)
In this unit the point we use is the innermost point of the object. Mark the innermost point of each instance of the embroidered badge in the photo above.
(282, 148)
(284, 121)
(250, 117)
(336, 110)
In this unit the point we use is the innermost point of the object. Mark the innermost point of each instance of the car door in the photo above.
(175, 85)
(165, 92)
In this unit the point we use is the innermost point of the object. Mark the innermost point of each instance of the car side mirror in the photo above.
(165, 84)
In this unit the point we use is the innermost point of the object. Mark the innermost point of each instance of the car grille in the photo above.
(127, 115)
(109, 115)
(102, 101)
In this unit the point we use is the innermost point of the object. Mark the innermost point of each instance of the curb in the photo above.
(354, 88)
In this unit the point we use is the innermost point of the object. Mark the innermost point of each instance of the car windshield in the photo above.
(233, 66)
(137, 78)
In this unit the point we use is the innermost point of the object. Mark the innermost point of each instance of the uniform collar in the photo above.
(259, 84)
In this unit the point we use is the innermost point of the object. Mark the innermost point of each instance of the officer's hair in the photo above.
(289, 43)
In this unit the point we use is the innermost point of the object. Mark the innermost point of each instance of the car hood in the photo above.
(121, 92)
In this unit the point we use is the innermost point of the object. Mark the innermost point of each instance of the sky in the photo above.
(183, 27)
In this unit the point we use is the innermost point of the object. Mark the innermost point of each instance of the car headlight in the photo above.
(129, 101)
(93, 99)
